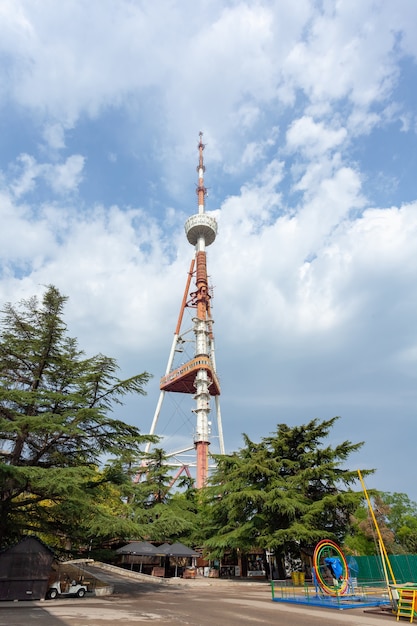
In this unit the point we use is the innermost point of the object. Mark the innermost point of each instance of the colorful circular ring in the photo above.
(326, 553)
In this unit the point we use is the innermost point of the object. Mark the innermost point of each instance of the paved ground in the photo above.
(192, 603)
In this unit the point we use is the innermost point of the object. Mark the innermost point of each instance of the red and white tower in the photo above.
(198, 375)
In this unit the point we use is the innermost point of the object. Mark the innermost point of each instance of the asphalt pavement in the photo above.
(199, 602)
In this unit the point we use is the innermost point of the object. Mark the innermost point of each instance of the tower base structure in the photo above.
(181, 379)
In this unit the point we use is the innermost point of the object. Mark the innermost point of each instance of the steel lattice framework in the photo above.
(198, 375)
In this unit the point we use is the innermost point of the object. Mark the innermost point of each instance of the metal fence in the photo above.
(369, 568)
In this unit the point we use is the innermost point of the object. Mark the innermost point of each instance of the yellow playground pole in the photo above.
(384, 556)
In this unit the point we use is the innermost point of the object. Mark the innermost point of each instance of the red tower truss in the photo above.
(198, 375)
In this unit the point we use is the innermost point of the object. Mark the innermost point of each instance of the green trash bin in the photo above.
(295, 578)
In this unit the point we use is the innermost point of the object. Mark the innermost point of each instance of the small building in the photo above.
(140, 556)
(25, 569)
(163, 560)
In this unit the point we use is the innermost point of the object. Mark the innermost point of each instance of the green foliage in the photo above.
(396, 516)
(361, 538)
(284, 493)
(155, 475)
(56, 427)
(402, 520)
(162, 514)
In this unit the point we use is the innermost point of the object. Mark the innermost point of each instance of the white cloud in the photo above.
(61, 177)
(25, 180)
(54, 135)
(313, 138)
(26, 238)
(66, 176)
(273, 253)
(221, 65)
(348, 55)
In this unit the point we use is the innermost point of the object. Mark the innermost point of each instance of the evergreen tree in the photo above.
(163, 514)
(56, 427)
(282, 494)
(154, 478)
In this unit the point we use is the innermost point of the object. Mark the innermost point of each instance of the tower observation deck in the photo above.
(198, 375)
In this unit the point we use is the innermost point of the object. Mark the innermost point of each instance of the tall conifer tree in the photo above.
(282, 494)
(56, 426)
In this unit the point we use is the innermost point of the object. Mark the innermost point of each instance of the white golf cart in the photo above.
(67, 588)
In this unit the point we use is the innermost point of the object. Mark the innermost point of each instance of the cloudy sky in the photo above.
(309, 116)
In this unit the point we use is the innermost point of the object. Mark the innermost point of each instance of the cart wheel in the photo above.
(52, 593)
(81, 593)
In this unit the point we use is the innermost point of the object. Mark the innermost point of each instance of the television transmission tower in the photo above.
(197, 376)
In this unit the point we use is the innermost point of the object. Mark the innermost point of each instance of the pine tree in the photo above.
(282, 494)
(164, 514)
(56, 426)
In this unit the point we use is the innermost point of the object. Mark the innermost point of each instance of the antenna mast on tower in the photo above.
(198, 375)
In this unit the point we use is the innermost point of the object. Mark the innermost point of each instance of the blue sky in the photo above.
(309, 117)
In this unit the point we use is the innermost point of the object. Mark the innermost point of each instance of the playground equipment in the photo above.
(333, 585)
(330, 569)
(337, 584)
(403, 597)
